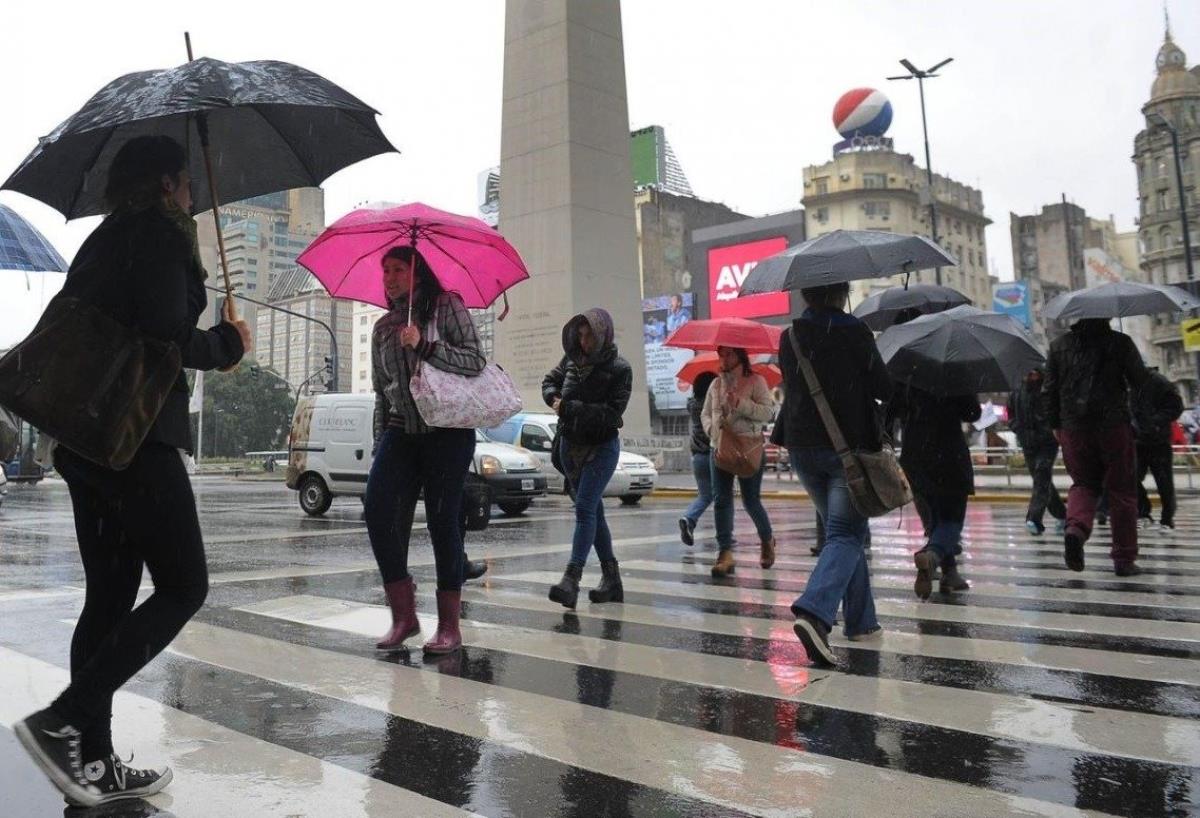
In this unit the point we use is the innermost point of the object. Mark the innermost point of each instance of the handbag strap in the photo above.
(818, 395)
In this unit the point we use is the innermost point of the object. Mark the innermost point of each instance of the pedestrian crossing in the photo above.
(1038, 692)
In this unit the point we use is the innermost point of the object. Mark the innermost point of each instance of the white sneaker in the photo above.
(1145, 522)
(1163, 528)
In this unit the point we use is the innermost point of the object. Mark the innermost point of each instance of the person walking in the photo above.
(1027, 418)
(412, 457)
(740, 403)
(142, 267)
(1089, 375)
(853, 378)
(589, 390)
(1156, 406)
(701, 461)
(937, 460)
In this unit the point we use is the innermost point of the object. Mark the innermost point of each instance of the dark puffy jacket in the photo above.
(700, 442)
(1090, 372)
(594, 389)
(934, 451)
(1156, 405)
(139, 268)
(1027, 416)
(847, 363)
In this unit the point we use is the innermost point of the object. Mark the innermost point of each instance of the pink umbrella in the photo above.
(467, 256)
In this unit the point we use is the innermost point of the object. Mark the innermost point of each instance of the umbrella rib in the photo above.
(354, 264)
(103, 144)
(470, 278)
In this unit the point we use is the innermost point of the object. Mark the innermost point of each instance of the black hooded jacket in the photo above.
(847, 363)
(1089, 375)
(594, 388)
(1156, 405)
(1027, 416)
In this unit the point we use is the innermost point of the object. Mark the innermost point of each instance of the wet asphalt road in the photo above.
(1039, 692)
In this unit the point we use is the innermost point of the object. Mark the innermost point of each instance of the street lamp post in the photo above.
(1185, 232)
(920, 76)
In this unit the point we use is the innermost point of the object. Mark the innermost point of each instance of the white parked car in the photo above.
(329, 455)
(635, 475)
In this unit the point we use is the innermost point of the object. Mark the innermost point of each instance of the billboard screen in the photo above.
(727, 269)
(661, 316)
(1012, 298)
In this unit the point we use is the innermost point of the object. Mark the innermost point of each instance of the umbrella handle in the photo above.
(230, 310)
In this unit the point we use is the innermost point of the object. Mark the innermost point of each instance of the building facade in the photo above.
(873, 187)
(1175, 99)
(293, 344)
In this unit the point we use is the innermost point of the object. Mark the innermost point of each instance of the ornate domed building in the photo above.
(1174, 99)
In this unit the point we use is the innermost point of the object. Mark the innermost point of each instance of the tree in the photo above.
(247, 410)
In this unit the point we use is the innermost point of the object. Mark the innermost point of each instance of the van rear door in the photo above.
(347, 433)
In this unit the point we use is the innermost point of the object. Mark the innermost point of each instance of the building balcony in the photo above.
(1183, 370)
(1165, 334)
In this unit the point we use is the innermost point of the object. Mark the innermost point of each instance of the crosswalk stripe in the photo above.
(1151, 668)
(1132, 735)
(763, 780)
(218, 771)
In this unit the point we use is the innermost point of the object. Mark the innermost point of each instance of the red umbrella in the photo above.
(708, 334)
(709, 362)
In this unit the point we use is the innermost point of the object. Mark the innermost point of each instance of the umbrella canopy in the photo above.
(961, 351)
(844, 255)
(1120, 299)
(22, 247)
(466, 255)
(881, 310)
(272, 125)
(709, 362)
(707, 334)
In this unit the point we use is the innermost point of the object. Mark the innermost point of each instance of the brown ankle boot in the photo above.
(766, 556)
(724, 565)
(401, 597)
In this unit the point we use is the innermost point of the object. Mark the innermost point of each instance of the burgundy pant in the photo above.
(1103, 460)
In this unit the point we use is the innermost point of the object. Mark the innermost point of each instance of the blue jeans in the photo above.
(841, 574)
(590, 526)
(947, 514)
(437, 462)
(722, 489)
(702, 471)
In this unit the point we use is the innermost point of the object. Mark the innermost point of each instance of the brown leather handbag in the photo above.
(740, 455)
(90, 382)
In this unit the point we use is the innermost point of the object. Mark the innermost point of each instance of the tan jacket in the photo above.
(755, 406)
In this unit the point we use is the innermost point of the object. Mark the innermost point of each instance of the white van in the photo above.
(329, 455)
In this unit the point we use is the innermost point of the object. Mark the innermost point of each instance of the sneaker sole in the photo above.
(140, 792)
(685, 534)
(868, 636)
(926, 563)
(66, 785)
(818, 653)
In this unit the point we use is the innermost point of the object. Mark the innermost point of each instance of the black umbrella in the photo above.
(844, 255)
(961, 351)
(881, 310)
(1120, 299)
(272, 126)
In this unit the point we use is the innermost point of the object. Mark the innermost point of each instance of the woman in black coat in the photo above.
(936, 459)
(142, 267)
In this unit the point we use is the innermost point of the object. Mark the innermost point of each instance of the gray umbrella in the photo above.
(1120, 299)
(881, 310)
(273, 126)
(22, 247)
(844, 255)
(961, 351)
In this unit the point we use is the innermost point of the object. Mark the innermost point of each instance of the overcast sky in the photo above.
(1043, 98)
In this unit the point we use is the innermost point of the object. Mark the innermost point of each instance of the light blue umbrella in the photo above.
(22, 247)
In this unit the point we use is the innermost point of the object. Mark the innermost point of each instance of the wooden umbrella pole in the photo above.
(230, 308)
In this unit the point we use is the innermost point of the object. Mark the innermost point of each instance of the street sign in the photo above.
(1190, 330)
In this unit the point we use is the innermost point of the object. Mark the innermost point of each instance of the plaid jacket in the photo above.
(456, 350)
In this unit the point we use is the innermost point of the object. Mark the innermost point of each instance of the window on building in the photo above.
(874, 181)
(821, 185)
(877, 210)
(1161, 164)
(362, 339)
(971, 256)
(362, 319)
(1165, 238)
(362, 374)
(1147, 241)
(822, 214)
(1161, 201)
(957, 226)
(362, 357)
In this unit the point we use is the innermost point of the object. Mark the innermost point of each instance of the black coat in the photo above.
(934, 451)
(1156, 405)
(1089, 374)
(700, 442)
(1027, 417)
(592, 406)
(138, 267)
(847, 364)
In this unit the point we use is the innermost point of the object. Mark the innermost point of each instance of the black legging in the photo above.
(144, 515)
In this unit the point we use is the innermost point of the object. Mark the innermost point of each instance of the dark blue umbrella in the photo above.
(881, 310)
(22, 247)
(844, 255)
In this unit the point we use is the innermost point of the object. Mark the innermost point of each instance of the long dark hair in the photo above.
(135, 175)
(743, 359)
(426, 287)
